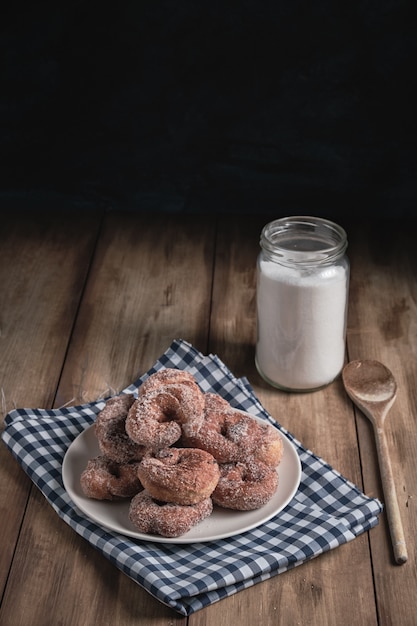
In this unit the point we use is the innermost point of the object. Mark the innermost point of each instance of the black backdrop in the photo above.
(280, 106)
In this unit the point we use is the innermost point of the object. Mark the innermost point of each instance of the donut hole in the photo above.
(114, 470)
(169, 415)
(116, 431)
(164, 407)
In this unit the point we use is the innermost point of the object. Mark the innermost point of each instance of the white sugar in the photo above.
(301, 324)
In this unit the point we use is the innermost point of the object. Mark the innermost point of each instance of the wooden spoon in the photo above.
(373, 389)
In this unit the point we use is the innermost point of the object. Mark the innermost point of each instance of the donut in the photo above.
(104, 479)
(184, 387)
(191, 401)
(156, 417)
(152, 420)
(245, 486)
(166, 519)
(260, 440)
(231, 435)
(213, 438)
(179, 475)
(110, 431)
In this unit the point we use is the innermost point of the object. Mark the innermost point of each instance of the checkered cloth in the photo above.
(327, 510)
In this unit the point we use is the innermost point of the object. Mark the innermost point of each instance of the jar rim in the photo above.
(303, 240)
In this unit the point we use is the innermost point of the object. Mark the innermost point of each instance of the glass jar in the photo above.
(302, 301)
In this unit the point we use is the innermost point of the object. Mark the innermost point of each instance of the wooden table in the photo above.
(90, 300)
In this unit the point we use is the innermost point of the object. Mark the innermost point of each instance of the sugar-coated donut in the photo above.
(191, 402)
(155, 419)
(214, 406)
(104, 479)
(212, 437)
(152, 420)
(231, 435)
(180, 475)
(112, 438)
(184, 387)
(166, 519)
(245, 486)
(260, 440)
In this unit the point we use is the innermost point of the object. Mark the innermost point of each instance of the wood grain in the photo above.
(89, 302)
(150, 283)
(383, 326)
(44, 261)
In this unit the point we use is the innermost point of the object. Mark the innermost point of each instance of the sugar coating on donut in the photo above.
(184, 387)
(168, 376)
(105, 479)
(166, 519)
(152, 420)
(215, 402)
(191, 400)
(245, 486)
(179, 475)
(262, 441)
(231, 435)
(111, 434)
(212, 437)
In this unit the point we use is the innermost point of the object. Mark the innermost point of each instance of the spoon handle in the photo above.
(391, 502)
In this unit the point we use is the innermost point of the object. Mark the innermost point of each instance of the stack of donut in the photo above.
(175, 451)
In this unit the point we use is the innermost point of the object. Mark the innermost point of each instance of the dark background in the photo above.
(275, 106)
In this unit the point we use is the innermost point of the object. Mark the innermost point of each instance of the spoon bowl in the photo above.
(372, 387)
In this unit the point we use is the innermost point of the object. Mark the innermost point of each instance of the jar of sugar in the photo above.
(302, 300)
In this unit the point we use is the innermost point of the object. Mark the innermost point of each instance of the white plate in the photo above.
(222, 523)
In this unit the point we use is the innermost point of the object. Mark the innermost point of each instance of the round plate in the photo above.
(222, 523)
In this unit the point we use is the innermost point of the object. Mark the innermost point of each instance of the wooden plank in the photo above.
(149, 284)
(44, 259)
(323, 421)
(118, 337)
(383, 326)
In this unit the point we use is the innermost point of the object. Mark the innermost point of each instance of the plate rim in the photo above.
(81, 502)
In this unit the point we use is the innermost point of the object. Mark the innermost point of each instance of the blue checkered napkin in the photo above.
(326, 512)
